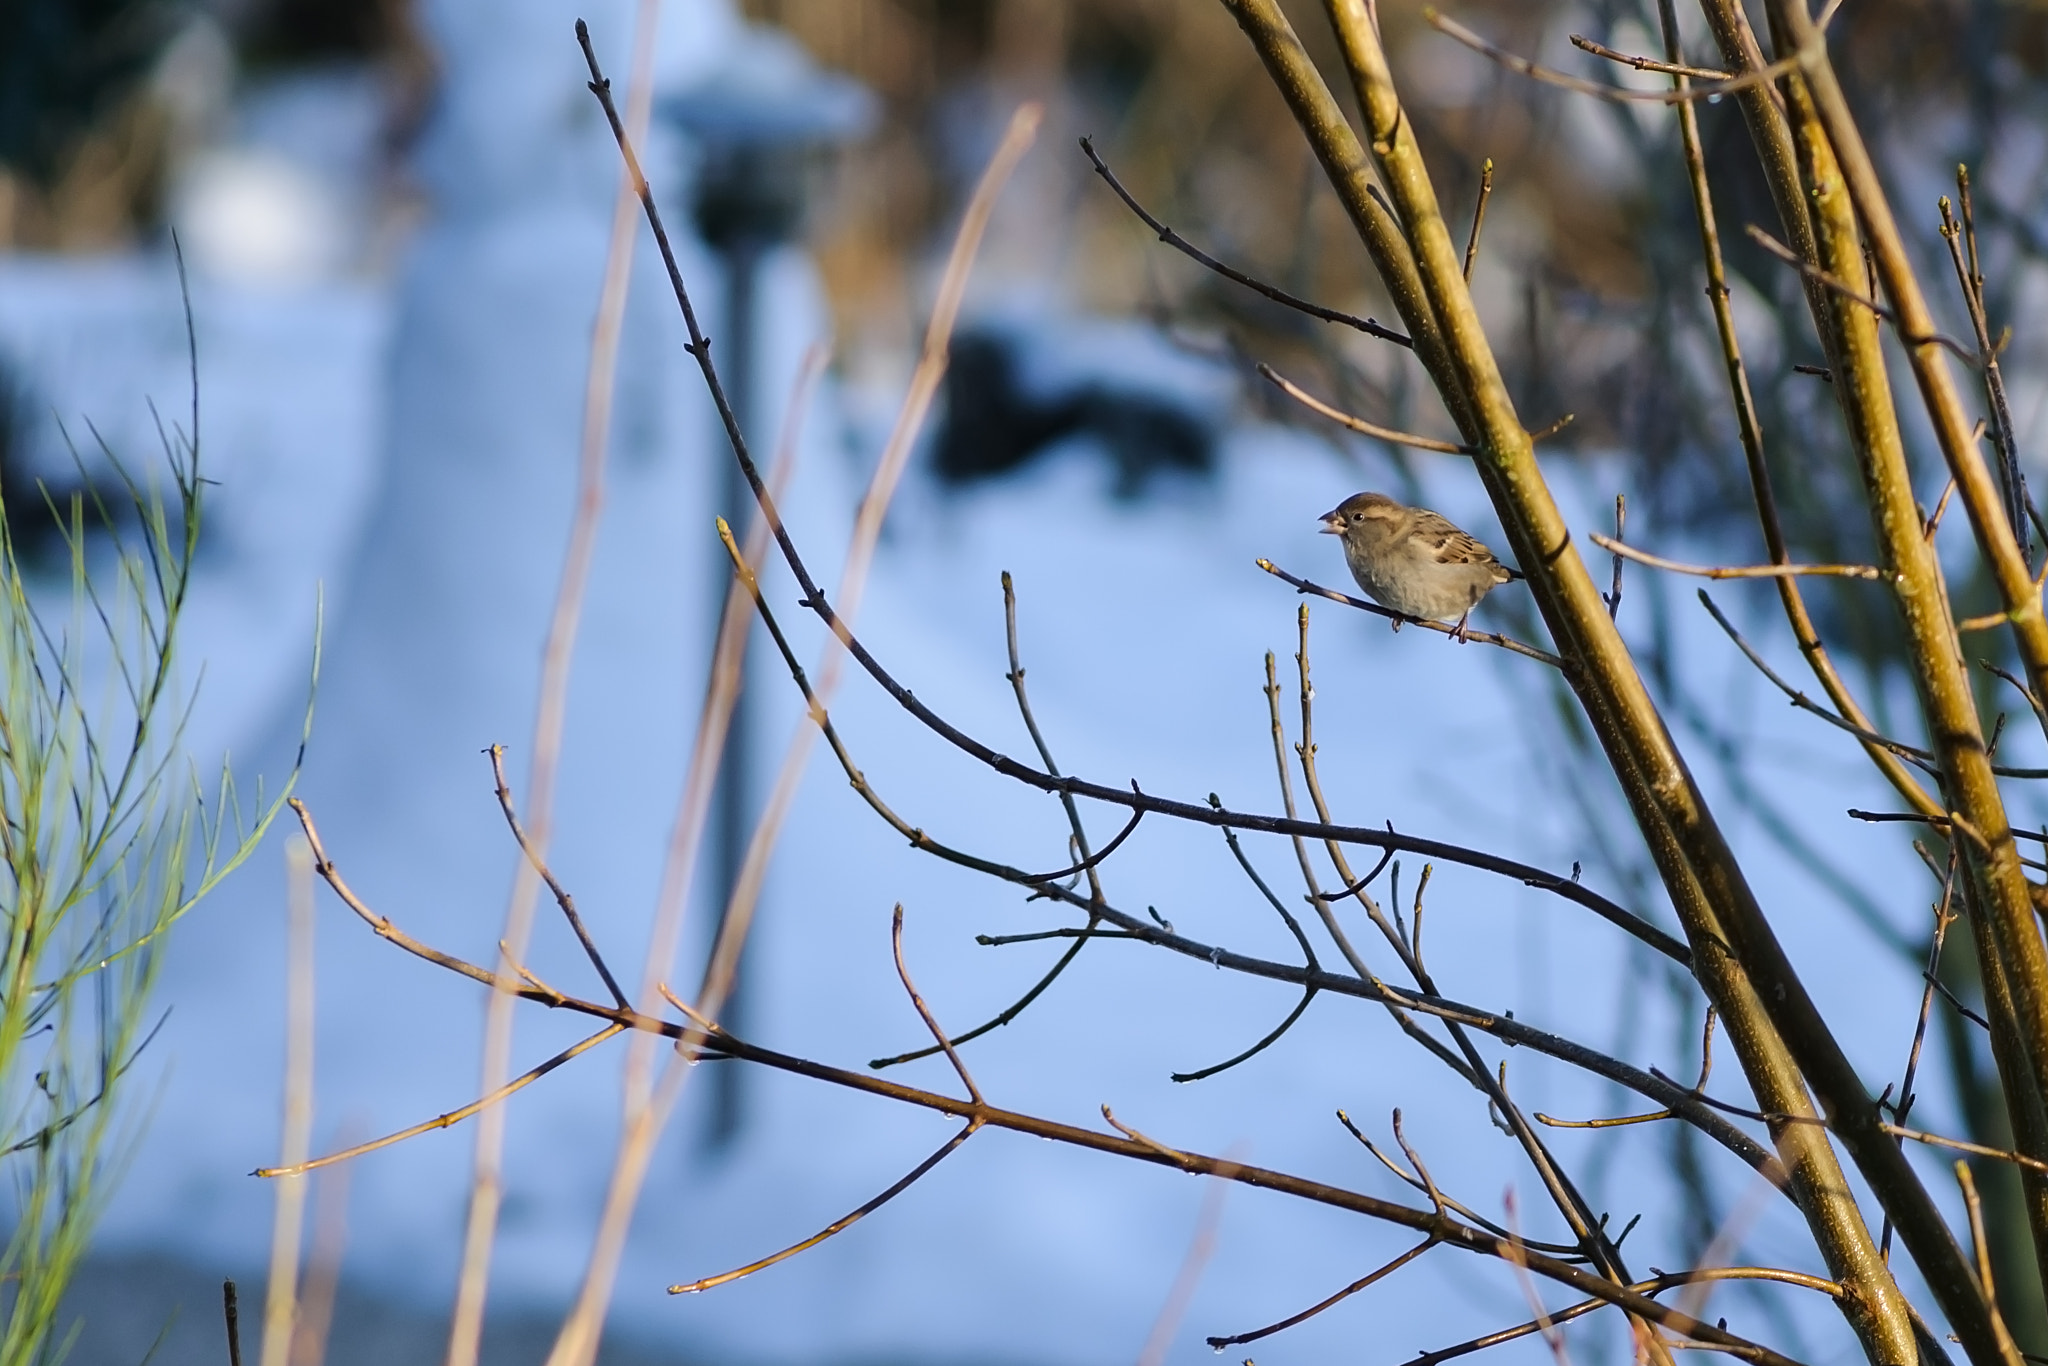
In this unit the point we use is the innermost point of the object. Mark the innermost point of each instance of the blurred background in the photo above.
(393, 216)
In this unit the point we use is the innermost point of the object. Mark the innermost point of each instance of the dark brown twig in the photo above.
(1943, 917)
(910, 1179)
(1622, 1121)
(1656, 1286)
(923, 1011)
(562, 897)
(1962, 244)
(1577, 1213)
(1308, 950)
(1478, 216)
(1571, 1253)
(1747, 571)
(234, 1318)
(1359, 424)
(1936, 822)
(2033, 698)
(453, 1116)
(1913, 754)
(1079, 832)
(1279, 296)
(1092, 861)
(1620, 528)
(1261, 1046)
(1523, 66)
(1482, 637)
(1848, 291)
(1361, 1283)
(1697, 73)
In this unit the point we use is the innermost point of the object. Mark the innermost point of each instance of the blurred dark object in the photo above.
(1002, 410)
(275, 36)
(65, 66)
(762, 123)
(35, 497)
(82, 148)
(303, 32)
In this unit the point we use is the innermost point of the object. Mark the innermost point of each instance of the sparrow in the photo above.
(1414, 561)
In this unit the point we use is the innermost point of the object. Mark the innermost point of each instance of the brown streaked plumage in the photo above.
(1412, 560)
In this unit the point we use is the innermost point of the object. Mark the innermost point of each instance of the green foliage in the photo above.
(107, 839)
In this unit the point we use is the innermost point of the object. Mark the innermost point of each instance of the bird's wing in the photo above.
(1448, 545)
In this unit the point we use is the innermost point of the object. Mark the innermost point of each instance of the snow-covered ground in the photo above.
(419, 456)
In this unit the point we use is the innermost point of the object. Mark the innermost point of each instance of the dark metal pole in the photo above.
(732, 812)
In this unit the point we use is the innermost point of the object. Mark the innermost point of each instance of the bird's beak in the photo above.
(1330, 527)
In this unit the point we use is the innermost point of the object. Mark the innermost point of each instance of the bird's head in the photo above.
(1368, 513)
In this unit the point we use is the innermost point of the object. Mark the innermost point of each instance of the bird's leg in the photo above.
(1458, 631)
(1397, 625)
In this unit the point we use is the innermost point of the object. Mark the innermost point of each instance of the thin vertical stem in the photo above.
(576, 1344)
(1750, 429)
(465, 1333)
(1777, 1030)
(280, 1300)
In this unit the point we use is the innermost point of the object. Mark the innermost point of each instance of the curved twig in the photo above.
(1937, 822)
(1309, 994)
(1746, 571)
(1359, 424)
(838, 1225)
(1361, 1283)
(1854, 295)
(453, 1116)
(1621, 95)
(1279, 296)
(1093, 860)
(1657, 1286)
(1697, 73)
(1308, 950)
(711, 1041)
(1355, 888)
(1218, 816)
(1569, 1253)
(1912, 754)
(924, 1011)
(1312, 589)
(562, 897)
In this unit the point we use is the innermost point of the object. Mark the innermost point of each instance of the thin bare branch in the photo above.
(1279, 296)
(453, 1116)
(1619, 94)
(1093, 861)
(910, 1179)
(1482, 637)
(1747, 571)
(1237, 1339)
(1697, 73)
(1656, 1286)
(539, 864)
(1478, 216)
(1912, 754)
(1359, 424)
(924, 1011)
(551, 707)
(1848, 291)
(1261, 1046)
(1620, 529)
